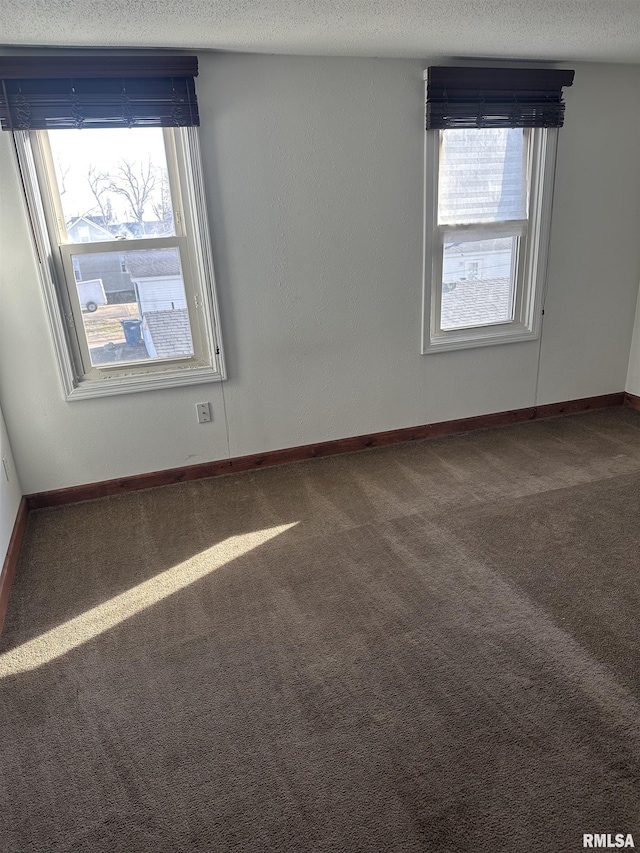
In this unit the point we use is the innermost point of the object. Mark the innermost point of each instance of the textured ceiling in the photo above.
(563, 30)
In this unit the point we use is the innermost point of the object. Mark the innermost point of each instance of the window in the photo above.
(489, 180)
(117, 203)
(482, 290)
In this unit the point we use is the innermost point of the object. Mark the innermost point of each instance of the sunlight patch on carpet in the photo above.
(90, 624)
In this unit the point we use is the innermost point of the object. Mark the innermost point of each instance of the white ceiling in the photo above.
(560, 30)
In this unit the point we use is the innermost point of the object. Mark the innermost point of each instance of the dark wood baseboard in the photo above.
(89, 491)
(632, 401)
(11, 558)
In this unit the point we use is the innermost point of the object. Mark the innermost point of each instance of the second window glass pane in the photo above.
(478, 282)
(133, 305)
(482, 176)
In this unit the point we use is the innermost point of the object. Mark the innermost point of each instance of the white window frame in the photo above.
(530, 263)
(79, 379)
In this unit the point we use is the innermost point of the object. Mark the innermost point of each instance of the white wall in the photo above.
(314, 171)
(595, 254)
(633, 374)
(10, 491)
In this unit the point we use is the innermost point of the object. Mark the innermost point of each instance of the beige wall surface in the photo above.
(314, 176)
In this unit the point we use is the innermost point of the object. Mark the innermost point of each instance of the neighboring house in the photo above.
(107, 266)
(468, 261)
(157, 278)
(88, 229)
(94, 229)
(154, 228)
(477, 283)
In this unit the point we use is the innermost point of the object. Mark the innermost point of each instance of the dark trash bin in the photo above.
(132, 333)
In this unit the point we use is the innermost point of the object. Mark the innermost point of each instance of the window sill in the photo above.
(92, 388)
(466, 339)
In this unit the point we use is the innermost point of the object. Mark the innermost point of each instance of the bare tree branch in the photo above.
(98, 183)
(63, 170)
(135, 182)
(161, 204)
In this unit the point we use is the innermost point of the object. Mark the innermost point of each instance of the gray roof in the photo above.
(152, 263)
(477, 302)
(170, 332)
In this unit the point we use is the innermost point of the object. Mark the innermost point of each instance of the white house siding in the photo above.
(493, 264)
(160, 294)
(148, 339)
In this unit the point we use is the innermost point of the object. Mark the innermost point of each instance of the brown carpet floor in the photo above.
(430, 647)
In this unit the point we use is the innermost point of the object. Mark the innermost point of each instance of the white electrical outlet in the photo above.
(204, 412)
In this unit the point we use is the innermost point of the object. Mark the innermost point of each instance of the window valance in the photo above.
(58, 92)
(495, 97)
